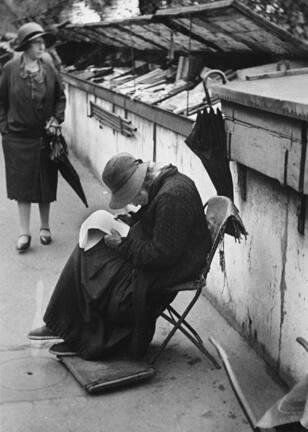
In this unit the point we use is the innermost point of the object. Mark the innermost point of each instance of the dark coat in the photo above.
(25, 108)
(167, 246)
(109, 297)
(26, 103)
(170, 237)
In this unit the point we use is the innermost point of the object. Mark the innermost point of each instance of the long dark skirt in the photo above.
(92, 305)
(30, 174)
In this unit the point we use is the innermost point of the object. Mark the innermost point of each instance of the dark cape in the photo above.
(106, 299)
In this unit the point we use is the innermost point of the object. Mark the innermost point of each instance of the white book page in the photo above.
(96, 226)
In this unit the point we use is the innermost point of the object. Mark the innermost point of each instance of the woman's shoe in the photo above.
(42, 333)
(62, 349)
(23, 242)
(46, 237)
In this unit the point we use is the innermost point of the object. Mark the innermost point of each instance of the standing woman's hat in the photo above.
(124, 175)
(31, 31)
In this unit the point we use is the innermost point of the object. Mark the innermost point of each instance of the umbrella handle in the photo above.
(303, 343)
(205, 78)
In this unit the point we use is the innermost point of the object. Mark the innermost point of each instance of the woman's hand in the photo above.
(52, 125)
(113, 240)
(126, 218)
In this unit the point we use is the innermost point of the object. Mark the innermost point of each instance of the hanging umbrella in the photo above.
(69, 173)
(208, 141)
(59, 157)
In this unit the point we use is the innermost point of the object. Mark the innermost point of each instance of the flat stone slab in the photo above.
(29, 375)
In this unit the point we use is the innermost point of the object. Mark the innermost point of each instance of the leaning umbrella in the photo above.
(59, 158)
(69, 173)
(208, 141)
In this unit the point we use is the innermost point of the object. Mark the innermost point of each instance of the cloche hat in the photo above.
(124, 176)
(30, 31)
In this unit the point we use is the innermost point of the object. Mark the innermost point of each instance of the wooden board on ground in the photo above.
(100, 376)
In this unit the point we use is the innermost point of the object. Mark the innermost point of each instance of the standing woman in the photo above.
(31, 100)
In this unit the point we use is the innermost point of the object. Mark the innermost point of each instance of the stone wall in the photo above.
(263, 290)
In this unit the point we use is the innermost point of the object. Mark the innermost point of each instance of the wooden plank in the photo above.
(132, 39)
(108, 39)
(161, 30)
(93, 36)
(215, 26)
(295, 44)
(147, 35)
(278, 74)
(138, 20)
(166, 119)
(74, 36)
(184, 43)
(268, 43)
(124, 42)
(293, 173)
(117, 34)
(247, 24)
(270, 122)
(273, 155)
(136, 41)
(270, 67)
(140, 34)
(260, 150)
(195, 10)
(232, 23)
(214, 33)
(268, 130)
(187, 29)
(228, 110)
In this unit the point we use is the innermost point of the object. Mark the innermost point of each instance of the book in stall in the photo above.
(97, 225)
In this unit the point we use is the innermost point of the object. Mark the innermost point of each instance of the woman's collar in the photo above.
(38, 76)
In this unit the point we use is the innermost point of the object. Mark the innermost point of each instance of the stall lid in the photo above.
(284, 95)
(223, 26)
(266, 120)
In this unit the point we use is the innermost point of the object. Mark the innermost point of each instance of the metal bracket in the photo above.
(112, 120)
(301, 212)
(242, 180)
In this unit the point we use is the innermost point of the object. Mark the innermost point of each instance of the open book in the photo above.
(96, 226)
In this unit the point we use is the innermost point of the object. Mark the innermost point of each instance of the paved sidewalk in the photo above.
(37, 394)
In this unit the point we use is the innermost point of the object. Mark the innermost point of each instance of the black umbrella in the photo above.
(69, 173)
(208, 141)
(59, 157)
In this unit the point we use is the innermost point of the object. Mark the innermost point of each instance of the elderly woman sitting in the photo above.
(108, 297)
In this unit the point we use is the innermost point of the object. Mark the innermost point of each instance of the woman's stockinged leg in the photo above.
(24, 211)
(24, 239)
(44, 214)
(45, 236)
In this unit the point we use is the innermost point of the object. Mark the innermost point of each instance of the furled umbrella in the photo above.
(69, 173)
(59, 157)
(208, 141)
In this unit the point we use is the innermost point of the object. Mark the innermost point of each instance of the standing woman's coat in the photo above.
(27, 102)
